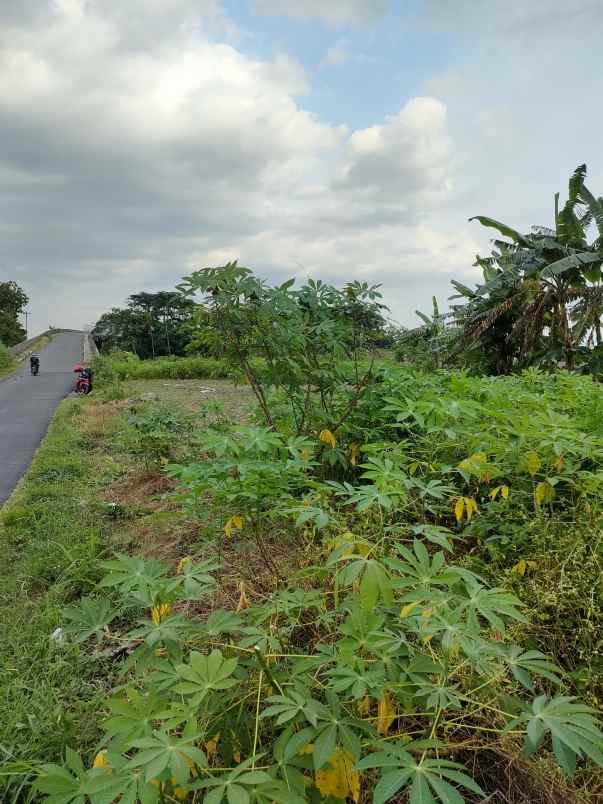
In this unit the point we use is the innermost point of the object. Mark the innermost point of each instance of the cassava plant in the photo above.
(250, 473)
(302, 335)
(403, 654)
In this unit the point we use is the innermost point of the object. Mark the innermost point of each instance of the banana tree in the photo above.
(541, 299)
(431, 343)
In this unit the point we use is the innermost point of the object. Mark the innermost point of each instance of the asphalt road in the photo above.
(27, 404)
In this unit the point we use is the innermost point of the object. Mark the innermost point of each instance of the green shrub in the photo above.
(5, 359)
(108, 368)
(154, 432)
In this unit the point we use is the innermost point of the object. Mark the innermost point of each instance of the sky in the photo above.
(333, 139)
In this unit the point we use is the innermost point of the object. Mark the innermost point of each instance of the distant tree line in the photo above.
(13, 301)
(168, 323)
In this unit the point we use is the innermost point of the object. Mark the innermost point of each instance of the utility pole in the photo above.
(26, 313)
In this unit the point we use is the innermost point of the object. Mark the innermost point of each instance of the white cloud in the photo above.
(534, 20)
(409, 156)
(129, 158)
(336, 12)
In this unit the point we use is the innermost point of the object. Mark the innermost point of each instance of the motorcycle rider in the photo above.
(84, 374)
(34, 363)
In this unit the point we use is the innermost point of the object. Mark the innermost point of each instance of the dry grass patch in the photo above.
(148, 519)
(194, 394)
(93, 420)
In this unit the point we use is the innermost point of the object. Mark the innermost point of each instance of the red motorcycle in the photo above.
(83, 384)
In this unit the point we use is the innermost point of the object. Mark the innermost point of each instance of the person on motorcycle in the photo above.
(84, 374)
(34, 363)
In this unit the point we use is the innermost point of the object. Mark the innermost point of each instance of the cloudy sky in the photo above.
(141, 139)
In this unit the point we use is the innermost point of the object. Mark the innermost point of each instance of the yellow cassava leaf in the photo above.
(183, 564)
(540, 493)
(327, 437)
(520, 568)
(473, 463)
(559, 463)
(160, 612)
(406, 610)
(533, 463)
(338, 778)
(179, 792)
(543, 492)
(386, 714)
(523, 566)
(502, 490)
(364, 706)
(459, 509)
(235, 522)
(100, 760)
(211, 747)
(470, 508)
(243, 600)
(354, 454)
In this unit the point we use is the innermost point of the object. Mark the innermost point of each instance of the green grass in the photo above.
(53, 531)
(50, 540)
(177, 368)
(7, 369)
(6, 363)
(199, 368)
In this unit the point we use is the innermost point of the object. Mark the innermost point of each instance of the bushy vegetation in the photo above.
(5, 359)
(50, 540)
(13, 301)
(304, 338)
(437, 604)
(125, 366)
(540, 302)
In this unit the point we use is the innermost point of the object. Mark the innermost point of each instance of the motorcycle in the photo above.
(83, 384)
(35, 368)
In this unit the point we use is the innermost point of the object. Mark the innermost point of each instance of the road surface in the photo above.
(27, 404)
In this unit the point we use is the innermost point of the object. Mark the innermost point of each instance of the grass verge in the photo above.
(50, 540)
(81, 499)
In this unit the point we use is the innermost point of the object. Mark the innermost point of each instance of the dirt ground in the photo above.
(195, 394)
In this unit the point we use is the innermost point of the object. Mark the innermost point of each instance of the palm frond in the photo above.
(485, 320)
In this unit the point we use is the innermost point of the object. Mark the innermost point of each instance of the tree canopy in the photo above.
(541, 299)
(13, 301)
(152, 325)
